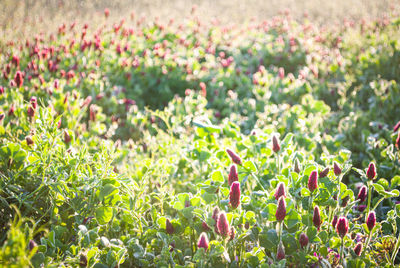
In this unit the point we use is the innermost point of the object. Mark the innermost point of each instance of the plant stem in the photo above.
(369, 196)
(396, 249)
(341, 253)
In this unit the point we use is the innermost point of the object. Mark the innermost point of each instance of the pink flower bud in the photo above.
(215, 214)
(235, 158)
(398, 141)
(280, 254)
(313, 181)
(358, 248)
(362, 194)
(336, 169)
(280, 191)
(371, 220)
(234, 195)
(19, 78)
(34, 102)
(32, 244)
(281, 209)
(205, 226)
(303, 240)
(233, 175)
(371, 172)
(203, 241)
(31, 111)
(67, 137)
(297, 166)
(275, 144)
(168, 227)
(324, 172)
(223, 225)
(396, 127)
(342, 227)
(317, 217)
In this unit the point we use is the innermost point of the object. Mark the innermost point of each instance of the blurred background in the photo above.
(21, 18)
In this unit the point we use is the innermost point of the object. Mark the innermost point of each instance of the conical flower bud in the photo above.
(19, 78)
(32, 244)
(362, 194)
(303, 240)
(205, 227)
(281, 209)
(317, 217)
(234, 195)
(275, 144)
(371, 220)
(232, 233)
(67, 137)
(223, 225)
(215, 217)
(313, 181)
(233, 175)
(342, 227)
(280, 191)
(398, 141)
(203, 241)
(336, 169)
(168, 227)
(280, 254)
(371, 172)
(33, 102)
(324, 172)
(358, 248)
(334, 221)
(235, 158)
(345, 200)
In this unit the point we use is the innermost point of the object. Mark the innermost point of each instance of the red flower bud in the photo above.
(28, 140)
(317, 217)
(336, 169)
(203, 241)
(67, 137)
(235, 158)
(34, 102)
(280, 254)
(398, 141)
(361, 208)
(371, 172)
(223, 225)
(2, 117)
(396, 127)
(232, 233)
(19, 78)
(215, 214)
(342, 227)
(371, 220)
(275, 144)
(280, 191)
(168, 227)
(358, 248)
(31, 111)
(313, 181)
(362, 194)
(303, 240)
(345, 200)
(324, 172)
(233, 175)
(281, 209)
(205, 226)
(334, 221)
(32, 244)
(234, 195)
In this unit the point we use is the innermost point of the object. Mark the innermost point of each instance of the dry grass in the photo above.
(21, 18)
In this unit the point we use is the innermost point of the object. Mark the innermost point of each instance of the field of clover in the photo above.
(266, 144)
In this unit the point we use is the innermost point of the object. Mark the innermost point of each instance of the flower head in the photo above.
(234, 194)
(371, 172)
(371, 220)
(275, 144)
(317, 217)
(362, 194)
(336, 169)
(303, 240)
(19, 78)
(281, 209)
(235, 158)
(223, 225)
(168, 227)
(280, 254)
(280, 191)
(233, 175)
(313, 181)
(342, 226)
(358, 248)
(324, 172)
(334, 221)
(203, 241)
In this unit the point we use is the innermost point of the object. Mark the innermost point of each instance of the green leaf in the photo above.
(395, 181)
(217, 176)
(104, 215)
(249, 165)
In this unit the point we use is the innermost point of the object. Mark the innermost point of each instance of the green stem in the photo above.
(280, 226)
(341, 252)
(396, 249)
(257, 180)
(369, 196)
